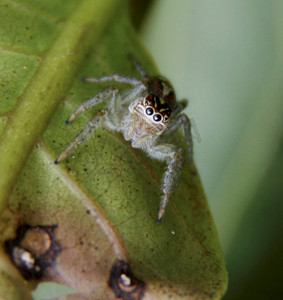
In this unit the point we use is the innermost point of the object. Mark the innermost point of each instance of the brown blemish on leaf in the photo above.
(33, 250)
(123, 282)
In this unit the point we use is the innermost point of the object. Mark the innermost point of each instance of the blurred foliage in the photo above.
(226, 57)
(258, 243)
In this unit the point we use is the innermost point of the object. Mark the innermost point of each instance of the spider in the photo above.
(147, 115)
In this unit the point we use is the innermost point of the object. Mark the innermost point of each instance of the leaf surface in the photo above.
(104, 196)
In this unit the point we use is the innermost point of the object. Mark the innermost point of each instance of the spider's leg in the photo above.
(174, 158)
(139, 68)
(184, 121)
(182, 104)
(92, 102)
(115, 77)
(83, 135)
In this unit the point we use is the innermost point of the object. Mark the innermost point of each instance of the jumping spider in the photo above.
(147, 115)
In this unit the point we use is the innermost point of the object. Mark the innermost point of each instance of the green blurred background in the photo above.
(226, 57)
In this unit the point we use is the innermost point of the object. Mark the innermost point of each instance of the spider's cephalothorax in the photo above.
(147, 115)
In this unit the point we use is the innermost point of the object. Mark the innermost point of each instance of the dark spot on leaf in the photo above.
(33, 250)
(88, 211)
(124, 284)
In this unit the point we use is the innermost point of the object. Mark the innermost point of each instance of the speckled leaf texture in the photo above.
(103, 198)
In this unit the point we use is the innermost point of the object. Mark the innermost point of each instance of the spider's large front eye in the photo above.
(149, 111)
(157, 117)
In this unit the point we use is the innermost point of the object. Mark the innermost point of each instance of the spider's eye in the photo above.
(165, 118)
(149, 111)
(157, 117)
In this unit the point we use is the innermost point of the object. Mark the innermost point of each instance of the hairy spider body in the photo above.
(147, 115)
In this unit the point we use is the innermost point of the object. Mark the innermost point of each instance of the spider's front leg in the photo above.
(183, 120)
(82, 136)
(92, 102)
(95, 120)
(174, 157)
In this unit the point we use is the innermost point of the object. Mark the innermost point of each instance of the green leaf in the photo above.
(55, 73)
(104, 196)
